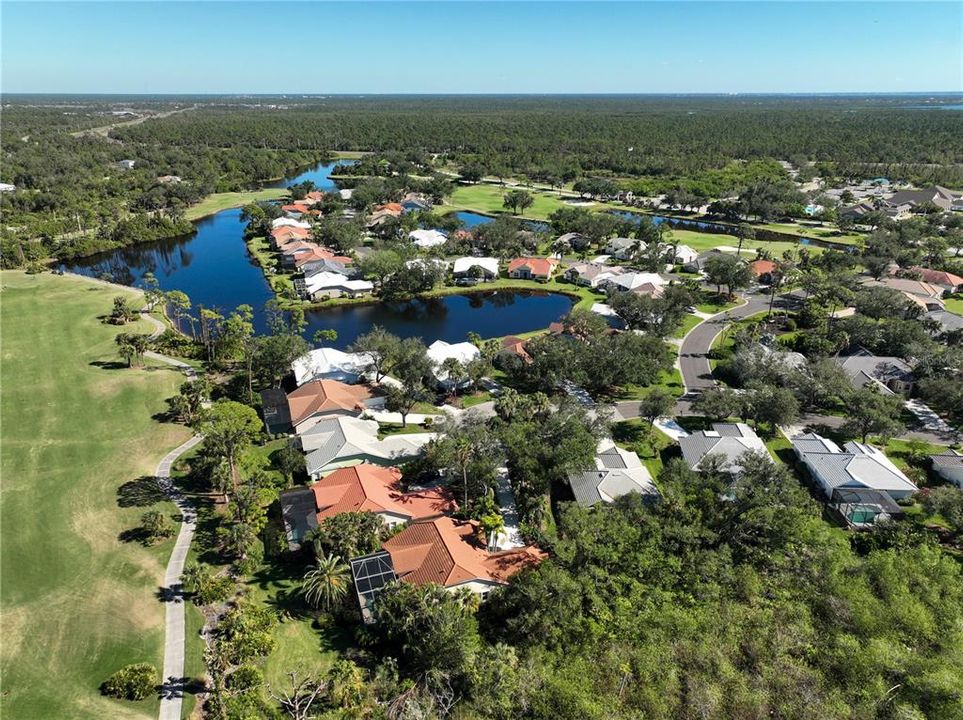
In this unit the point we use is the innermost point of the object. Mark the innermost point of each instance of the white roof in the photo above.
(428, 238)
(439, 351)
(604, 310)
(289, 222)
(415, 262)
(323, 280)
(346, 193)
(329, 363)
(684, 253)
(630, 281)
(464, 264)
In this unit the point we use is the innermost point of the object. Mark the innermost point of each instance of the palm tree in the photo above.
(327, 583)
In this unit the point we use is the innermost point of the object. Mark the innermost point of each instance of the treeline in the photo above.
(623, 136)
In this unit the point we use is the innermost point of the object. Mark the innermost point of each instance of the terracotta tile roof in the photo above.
(315, 195)
(293, 246)
(295, 207)
(391, 208)
(320, 253)
(373, 488)
(538, 266)
(939, 277)
(516, 346)
(449, 552)
(762, 267)
(325, 395)
(286, 233)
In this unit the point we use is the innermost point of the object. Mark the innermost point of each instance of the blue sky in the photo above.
(495, 47)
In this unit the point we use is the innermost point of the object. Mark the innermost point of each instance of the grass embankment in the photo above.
(815, 232)
(78, 603)
(488, 199)
(222, 201)
(700, 242)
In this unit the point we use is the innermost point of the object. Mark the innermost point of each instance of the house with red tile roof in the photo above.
(454, 554)
(531, 268)
(319, 253)
(315, 196)
(320, 399)
(295, 208)
(948, 281)
(512, 345)
(762, 269)
(390, 208)
(360, 488)
(286, 234)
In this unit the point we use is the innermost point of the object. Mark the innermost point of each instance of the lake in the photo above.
(472, 220)
(675, 222)
(215, 270)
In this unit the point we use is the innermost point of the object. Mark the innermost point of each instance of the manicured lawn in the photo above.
(954, 305)
(646, 441)
(216, 202)
(488, 199)
(77, 602)
(701, 241)
(817, 233)
(688, 322)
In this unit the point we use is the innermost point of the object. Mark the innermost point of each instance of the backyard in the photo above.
(78, 603)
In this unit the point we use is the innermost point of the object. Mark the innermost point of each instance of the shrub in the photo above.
(131, 682)
(157, 525)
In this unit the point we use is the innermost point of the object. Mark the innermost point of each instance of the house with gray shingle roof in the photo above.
(341, 441)
(853, 466)
(617, 472)
(949, 466)
(890, 374)
(729, 441)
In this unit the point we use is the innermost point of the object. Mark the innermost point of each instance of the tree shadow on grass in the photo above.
(142, 492)
(135, 535)
(281, 580)
(177, 687)
(110, 364)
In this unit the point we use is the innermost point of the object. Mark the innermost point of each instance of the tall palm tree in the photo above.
(326, 583)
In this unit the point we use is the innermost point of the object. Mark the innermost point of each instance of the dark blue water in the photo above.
(674, 222)
(215, 270)
(473, 220)
(320, 176)
(449, 318)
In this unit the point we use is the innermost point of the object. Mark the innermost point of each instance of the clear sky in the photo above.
(494, 47)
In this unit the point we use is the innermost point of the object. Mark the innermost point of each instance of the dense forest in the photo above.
(72, 194)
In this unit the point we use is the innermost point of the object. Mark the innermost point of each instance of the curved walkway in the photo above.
(174, 680)
(172, 689)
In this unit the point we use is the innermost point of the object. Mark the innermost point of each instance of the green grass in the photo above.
(688, 322)
(77, 603)
(216, 202)
(488, 199)
(647, 442)
(700, 242)
(954, 305)
(780, 448)
(816, 233)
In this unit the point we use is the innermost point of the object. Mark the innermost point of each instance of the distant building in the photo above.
(126, 164)
(330, 364)
(487, 267)
(7, 187)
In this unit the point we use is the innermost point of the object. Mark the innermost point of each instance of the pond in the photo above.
(675, 222)
(215, 270)
(450, 318)
(472, 220)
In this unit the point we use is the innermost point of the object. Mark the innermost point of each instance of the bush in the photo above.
(157, 525)
(131, 682)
